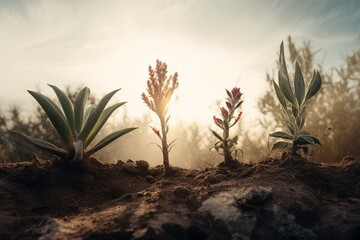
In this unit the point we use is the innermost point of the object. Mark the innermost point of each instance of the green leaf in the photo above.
(79, 106)
(44, 145)
(280, 134)
(67, 106)
(304, 140)
(56, 118)
(314, 86)
(216, 135)
(238, 104)
(295, 111)
(299, 84)
(280, 145)
(88, 111)
(304, 133)
(284, 82)
(109, 139)
(101, 121)
(279, 95)
(291, 127)
(95, 115)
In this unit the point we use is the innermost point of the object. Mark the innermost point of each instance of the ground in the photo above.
(277, 198)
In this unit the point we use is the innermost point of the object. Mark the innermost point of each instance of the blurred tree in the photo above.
(334, 114)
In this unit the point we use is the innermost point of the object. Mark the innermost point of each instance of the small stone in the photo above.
(120, 163)
(145, 233)
(150, 179)
(254, 196)
(181, 192)
(130, 160)
(130, 167)
(142, 165)
(190, 175)
(215, 178)
(200, 176)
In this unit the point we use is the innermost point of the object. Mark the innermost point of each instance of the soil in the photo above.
(280, 198)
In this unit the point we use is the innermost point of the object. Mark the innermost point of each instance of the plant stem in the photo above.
(164, 145)
(227, 154)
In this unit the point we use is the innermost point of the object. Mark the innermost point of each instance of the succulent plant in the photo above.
(293, 105)
(76, 126)
(226, 144)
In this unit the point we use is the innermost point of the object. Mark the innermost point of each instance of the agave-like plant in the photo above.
(76, 126)
(293, 105)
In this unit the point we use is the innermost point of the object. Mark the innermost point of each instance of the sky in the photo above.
(212, 45)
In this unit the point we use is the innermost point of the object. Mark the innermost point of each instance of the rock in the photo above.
(254, 197)
(200, 176)
(142, 165)
(150, 178)
(222, 170)
(181, 192)
(190, 175)
(120, 163)
(216, 178)
(145, 233)
(130, 167)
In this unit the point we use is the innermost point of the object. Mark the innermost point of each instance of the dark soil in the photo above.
(289, 198)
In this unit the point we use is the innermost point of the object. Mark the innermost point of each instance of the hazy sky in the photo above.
(212, 44)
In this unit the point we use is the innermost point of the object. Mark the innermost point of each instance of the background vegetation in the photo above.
(333, 116)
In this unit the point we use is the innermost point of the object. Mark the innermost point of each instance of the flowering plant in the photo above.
(293, 105)
(160, 88)
(226, 144)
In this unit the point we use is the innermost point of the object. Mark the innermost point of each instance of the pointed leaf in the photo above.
(280, 145)
(279, 95)
(299, 84)
(314, 86)
(238, 105)
(56, 118)
(109, 139)
(280, 134)
(79, 106)
(101, 121)
(216, 135)
(67, 106)
(304, 140)
(283, 77)
(295, 111)
(88, 111)
(94, 116)
(44, 145)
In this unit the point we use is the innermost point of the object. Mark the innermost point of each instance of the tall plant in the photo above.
(76, 126)
(293, 105)
(160, 88)
(226, 144)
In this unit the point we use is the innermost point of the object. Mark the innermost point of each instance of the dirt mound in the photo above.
(288, 198)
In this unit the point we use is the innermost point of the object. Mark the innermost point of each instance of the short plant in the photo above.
(226, 144)
(160, 88)
(293, 106)
(76, 126)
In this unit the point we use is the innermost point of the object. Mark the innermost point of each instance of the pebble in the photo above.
(181, 192)
(215, 178)
(150, 179)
